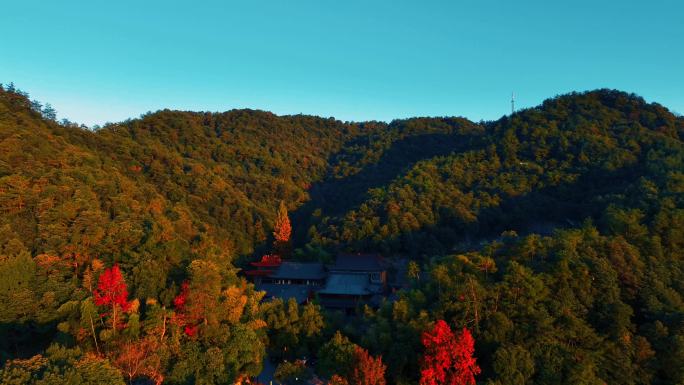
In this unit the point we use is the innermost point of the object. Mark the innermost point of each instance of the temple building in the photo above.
(263, 268)
(287, 280)
(298, 273)
(352, 280)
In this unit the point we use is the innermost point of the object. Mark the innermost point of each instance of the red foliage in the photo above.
(182, 297)
(190, 331)
(448, 359)
(268, 260)
(368, 370)
(112, 292)
(111, 289)
(181, 318)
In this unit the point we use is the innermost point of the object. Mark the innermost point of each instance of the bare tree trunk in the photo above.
(92, 328)
(161, 338)
(476, 305)
(114, 318)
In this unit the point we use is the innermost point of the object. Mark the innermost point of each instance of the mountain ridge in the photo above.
(553, 234)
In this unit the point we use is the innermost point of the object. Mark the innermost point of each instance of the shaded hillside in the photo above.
(563, 161)
(374, 160)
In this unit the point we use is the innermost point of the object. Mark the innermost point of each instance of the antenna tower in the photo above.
(512, 103)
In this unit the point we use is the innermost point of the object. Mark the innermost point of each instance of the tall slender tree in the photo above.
(112, 292)
(282, 231)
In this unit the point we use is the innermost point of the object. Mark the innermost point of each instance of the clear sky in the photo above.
(98, 61)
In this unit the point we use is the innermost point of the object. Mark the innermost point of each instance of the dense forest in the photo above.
(545, 247)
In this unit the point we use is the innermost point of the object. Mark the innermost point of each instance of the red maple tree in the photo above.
(368, 370)
(112, 292)
(180, 300)
(181, 317)
(448, 359)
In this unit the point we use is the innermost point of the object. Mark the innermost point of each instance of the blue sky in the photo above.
(98, 61)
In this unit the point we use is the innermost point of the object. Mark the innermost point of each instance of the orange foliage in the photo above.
(234, 303)
(282, 231)
(139, 359)
(337, 380)
(368, 370)
(282, 228)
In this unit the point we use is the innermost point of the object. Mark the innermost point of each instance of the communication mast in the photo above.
(512, 103)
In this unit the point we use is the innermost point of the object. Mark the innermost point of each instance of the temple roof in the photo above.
(346, 284)
(299, 270)
(299, 292)
(357, 262)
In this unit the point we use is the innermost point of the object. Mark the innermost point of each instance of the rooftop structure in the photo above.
(352, 279)
(300, 293)
(346, 284)
(358, 263)
(264, 267)
(300, 271)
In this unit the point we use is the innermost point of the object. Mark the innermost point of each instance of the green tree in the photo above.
(336, 356)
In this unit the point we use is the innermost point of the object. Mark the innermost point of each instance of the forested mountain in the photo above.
(554, 165)
(553, 235)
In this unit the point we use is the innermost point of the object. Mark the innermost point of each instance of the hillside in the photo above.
(555, 235)
(550, 166)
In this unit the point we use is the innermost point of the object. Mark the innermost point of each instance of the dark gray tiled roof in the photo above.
(299, 270)
(346, 284)
(358, 262)
(299, 292)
